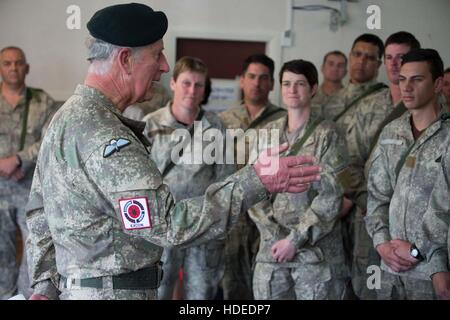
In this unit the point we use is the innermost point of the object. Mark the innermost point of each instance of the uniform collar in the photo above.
(356, 89)
(406, 130)
(242, 114)
(21, 101)
(167, 119)
(102, 101)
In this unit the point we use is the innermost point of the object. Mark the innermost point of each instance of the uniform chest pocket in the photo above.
(432, 160)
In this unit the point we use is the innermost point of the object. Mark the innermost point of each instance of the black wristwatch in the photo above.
(415, 253)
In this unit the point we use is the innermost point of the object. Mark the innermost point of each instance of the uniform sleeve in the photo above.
(436, 223)
(379, 196)
(129, 176)
(29, 153)
(321, 216)
(358, 144)
(223, 171)
(44, 276)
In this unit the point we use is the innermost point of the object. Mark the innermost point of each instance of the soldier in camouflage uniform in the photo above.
(301, 253)
(436, 224)
(403, 170)
(202, 265)
(24, 113)
(160, 97)
(364, 62)
(334, 69)
(255, 111)
(99, 213)
(371, 115)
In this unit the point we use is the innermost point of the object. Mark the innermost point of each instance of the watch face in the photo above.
(414, 253)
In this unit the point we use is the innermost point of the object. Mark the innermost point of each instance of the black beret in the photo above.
(128, 25)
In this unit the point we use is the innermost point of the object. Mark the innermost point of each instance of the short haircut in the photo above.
(336, 53)
(430, 56)
(373, 39)
(14, 48)
(303, 67)
(259, 58)
(403, 37)
(447, 70)
(191, 64)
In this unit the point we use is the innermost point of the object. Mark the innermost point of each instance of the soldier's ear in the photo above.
(438, 83)
(172, 84)
(125, 60)
(27, 68)
(314, 90)
(241, 81)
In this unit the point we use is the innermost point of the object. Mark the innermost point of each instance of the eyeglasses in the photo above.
(369, 57)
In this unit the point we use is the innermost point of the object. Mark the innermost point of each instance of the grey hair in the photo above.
(101, 54)
(99, 49)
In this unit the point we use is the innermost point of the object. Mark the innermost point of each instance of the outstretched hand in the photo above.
(292, 174)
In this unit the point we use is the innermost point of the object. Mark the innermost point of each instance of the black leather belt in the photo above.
(147, 278)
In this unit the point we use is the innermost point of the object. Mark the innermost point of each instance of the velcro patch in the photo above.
(135, 213)
(391, 141)
(115, 146)
(410, 161)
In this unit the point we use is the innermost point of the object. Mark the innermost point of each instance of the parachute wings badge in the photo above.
(115, 145)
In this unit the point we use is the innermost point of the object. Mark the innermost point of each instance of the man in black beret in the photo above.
(98, 212)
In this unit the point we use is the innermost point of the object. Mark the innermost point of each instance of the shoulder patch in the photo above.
(135, 213)
(115, 145)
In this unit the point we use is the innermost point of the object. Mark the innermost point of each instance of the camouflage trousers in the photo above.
(13, 278)
(203, 268)
(106, 293)
(394, 287)
(240, 252)
(360, 253)
(274, 282)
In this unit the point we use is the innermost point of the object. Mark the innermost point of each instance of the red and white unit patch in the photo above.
(135, 213)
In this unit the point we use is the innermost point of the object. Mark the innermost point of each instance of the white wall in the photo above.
(57, 55)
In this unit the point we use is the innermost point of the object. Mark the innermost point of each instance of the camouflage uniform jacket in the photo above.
(75, 213)
(368, 115)
(436, 222)
(190, 179)
(309, 220)
(321, 98)
(337, 103)
(41, 109)
(238, 117)
(396, 204)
